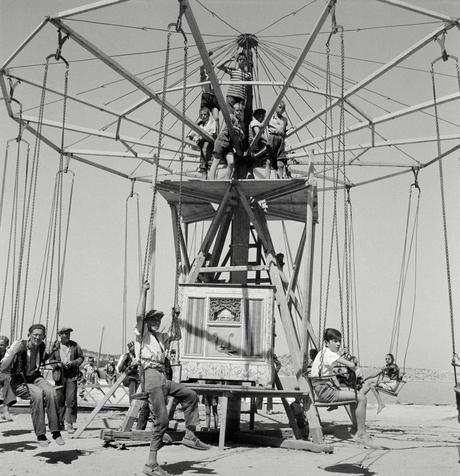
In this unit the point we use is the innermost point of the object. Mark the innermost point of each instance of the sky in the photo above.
(92, 297)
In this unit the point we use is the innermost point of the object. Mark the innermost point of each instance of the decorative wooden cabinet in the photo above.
(227, 333)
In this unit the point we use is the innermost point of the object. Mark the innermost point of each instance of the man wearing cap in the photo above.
(69, 356)
(152, 347)
(23, 360)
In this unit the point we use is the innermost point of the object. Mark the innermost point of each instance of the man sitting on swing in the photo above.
(152, 347)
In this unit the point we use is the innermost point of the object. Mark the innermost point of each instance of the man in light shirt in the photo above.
(152, 349)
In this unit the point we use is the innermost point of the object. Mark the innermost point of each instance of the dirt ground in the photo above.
(418, 440)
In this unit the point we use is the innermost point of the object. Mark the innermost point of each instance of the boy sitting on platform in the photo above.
(208, 124)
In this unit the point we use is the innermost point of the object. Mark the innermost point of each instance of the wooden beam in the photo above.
(133, 79)
(24, 44)
(88, 8)
(286, 317)
(375, 75)
(422, 11)
(210, 235)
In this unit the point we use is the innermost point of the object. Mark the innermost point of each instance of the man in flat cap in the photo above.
(69, 356)
(152, 349)
(23, 360)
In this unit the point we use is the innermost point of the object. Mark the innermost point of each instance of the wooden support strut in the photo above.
(210, 235)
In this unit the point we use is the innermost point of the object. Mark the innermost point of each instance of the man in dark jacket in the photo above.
(70, 356)
(23, 360)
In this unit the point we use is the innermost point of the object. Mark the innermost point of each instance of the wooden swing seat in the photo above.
(392, 393)
(321, 403)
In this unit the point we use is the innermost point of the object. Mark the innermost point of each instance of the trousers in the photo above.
(158, 388)
(67, 401)
(42, 395)
(7, 395)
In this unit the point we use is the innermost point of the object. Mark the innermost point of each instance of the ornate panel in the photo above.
(228, 333)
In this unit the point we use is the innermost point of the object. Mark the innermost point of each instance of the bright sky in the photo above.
(93, 283)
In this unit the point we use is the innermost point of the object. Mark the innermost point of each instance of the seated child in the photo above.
(208, 124)
(386, 379)
(328, 390)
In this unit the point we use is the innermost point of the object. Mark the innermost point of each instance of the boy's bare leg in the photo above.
(377, 396)
(230, 166)
(213, 170)
(267, 169)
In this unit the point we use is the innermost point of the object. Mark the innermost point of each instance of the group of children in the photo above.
(269, 149)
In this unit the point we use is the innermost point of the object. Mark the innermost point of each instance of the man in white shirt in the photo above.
(152, 348)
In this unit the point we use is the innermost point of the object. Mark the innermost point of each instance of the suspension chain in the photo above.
(443, 204)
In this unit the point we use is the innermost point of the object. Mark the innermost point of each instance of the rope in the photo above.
(444, 212)
(411, 228)
(175, 331)
(135, 196)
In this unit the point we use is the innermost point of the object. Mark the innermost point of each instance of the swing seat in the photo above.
(395, 392)
(333, 382)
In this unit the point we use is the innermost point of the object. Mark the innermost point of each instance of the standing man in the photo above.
(23, 360)
(7, 396)
(70, 356)
(152, 347)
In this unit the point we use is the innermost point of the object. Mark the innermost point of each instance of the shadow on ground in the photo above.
(194, 467)
(20, 446)
(349, 468)
(66, 457)
(15, 432)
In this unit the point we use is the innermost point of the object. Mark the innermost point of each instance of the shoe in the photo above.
(43, 441)
(69, 428)
(155, 470)
(58, 438)
(332, 408)
(195, 443)
(367, 442)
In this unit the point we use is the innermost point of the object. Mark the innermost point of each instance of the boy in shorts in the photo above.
(224, 148)
(208, 124)
(328, 391)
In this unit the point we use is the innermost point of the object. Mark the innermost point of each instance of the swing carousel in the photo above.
(232, 283)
